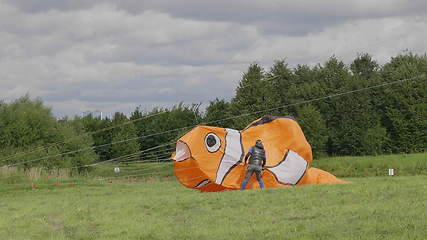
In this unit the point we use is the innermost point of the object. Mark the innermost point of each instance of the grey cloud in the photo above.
(87, 55)
(291, 17)
(147, 90)
(103, 33)
(239, 9)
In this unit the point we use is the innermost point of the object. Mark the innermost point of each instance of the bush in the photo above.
(30, 133)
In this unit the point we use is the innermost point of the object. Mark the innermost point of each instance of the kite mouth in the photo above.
(182, 152)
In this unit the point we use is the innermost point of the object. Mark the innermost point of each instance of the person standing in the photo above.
(257, 160)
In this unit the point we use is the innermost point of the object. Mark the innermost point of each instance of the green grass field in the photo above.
(366, 166)
(373, 207)
(357, 166)
(368, 208)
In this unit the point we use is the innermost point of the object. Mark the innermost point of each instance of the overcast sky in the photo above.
(80, 55)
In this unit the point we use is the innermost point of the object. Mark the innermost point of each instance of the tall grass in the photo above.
(147, 169)
(361, 166)
(364, 166)
(368, 208)
(14, 175)
(101, 172)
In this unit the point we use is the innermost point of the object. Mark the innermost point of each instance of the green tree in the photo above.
(165, 127)
(314, 128)
(253, 94)
(98, 129)
(25, 123)
(374, 140)
(30, 133)
(121, 134)
(404, 106)
(282, 87)
(364, 66)
(218, 110)
(74, 138)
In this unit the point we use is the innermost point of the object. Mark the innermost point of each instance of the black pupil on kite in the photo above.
(211, 141)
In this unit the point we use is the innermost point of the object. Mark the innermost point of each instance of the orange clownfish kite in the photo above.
(212, 158)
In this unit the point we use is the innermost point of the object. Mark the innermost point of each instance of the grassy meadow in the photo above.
(367, 166)
(370, 207)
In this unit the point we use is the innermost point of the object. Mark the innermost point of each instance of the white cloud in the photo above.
(382, 38)
(113, 56)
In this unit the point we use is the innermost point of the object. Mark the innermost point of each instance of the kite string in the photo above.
(129, 156)
(88, 181)
(117, 158)
(68, 153)
(150, 167)
(224, 119)
(20, 154)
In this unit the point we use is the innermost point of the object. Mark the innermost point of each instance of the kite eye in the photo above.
(212, 142)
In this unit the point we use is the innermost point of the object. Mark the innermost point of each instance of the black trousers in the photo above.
(251, 170)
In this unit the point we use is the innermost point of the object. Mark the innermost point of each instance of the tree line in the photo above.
(387, 119)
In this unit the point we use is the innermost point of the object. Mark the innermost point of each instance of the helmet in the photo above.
(258, 144)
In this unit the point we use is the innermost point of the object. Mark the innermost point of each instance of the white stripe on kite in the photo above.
(232, 154)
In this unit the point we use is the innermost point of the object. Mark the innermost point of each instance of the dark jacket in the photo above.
(256, 156)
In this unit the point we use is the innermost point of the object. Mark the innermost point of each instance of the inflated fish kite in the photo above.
(211, 158)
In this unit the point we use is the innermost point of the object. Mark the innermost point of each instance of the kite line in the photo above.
(219, 120)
